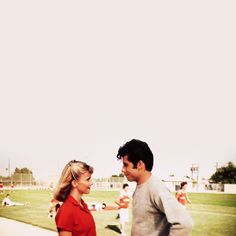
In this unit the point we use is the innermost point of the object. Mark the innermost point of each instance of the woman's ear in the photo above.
(74, 183)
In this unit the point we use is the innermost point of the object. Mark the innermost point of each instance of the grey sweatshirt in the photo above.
(156, 212)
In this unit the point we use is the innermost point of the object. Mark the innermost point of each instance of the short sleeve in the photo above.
(64, 219)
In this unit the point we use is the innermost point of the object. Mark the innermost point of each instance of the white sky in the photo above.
(79, 79)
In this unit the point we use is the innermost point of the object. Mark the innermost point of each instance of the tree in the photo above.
(26, 171)
(17, 170)
(121, 175)
(23, 176)
(225, 174)
(22, 171)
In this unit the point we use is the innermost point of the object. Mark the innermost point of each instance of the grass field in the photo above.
(213, 214)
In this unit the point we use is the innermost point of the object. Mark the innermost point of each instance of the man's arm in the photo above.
(177, 216)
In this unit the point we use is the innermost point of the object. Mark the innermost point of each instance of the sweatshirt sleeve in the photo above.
(177, 216)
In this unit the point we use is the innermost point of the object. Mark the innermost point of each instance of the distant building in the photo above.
(173, 182)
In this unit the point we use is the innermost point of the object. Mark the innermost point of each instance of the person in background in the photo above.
(181, 194)
(155, 210)
(54, 206)
(73, 218)
(123, 203)
(1, 187)
(97, 206)
(8, 202)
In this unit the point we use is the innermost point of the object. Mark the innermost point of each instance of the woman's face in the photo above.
(185, 187)
(84, 183)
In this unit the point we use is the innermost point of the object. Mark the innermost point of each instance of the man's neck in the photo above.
(144, 177)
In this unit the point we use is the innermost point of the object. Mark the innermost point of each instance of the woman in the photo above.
(181, 194)
(73, 217)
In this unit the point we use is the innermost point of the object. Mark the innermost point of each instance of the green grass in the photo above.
(213, 214)
(228, 200)
(35, 213)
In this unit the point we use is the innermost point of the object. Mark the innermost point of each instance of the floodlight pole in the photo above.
(9, 167)
(195, 169)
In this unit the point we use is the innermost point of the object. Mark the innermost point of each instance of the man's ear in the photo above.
(140, 165)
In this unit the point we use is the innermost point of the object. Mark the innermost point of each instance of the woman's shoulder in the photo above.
(179, 191)
(65, 210)
(67, 204)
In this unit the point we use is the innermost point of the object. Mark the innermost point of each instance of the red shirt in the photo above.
(74, 218)
(182, 198)
(124, 202)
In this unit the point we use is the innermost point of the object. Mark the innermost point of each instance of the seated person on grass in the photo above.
(8, 202)
(97, 206)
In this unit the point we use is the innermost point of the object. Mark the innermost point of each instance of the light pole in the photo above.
(9, 167)
(195, 169)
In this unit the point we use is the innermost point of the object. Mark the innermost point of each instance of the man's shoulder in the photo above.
(157, 185)
(156, 181)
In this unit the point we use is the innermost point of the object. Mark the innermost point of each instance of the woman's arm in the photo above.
(64, 233)
(188, 200)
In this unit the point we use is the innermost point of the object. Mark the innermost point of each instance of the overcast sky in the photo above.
(79, 79)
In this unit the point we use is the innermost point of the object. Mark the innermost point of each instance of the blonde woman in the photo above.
(73, 217)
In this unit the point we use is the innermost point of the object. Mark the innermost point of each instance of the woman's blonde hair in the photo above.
(72, 171)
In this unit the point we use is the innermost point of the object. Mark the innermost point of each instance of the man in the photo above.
(155, 209)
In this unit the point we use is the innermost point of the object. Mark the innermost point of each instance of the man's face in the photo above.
(128, 169)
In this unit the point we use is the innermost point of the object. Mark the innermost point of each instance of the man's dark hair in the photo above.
(125, 185)
(136, 151)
